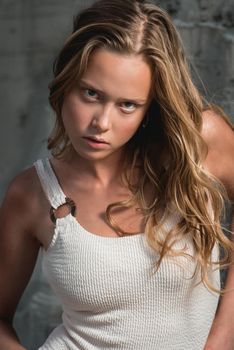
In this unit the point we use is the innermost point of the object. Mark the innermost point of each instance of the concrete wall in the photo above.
(31, 32)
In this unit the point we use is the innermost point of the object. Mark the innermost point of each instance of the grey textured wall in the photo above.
(31, 32)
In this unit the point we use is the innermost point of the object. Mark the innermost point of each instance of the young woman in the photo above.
(127, 209)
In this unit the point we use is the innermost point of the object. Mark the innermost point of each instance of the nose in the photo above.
(102, 119)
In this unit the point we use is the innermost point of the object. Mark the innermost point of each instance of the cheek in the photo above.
(127, 130)
(74, 115)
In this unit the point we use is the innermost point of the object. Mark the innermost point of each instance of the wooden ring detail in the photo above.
(71, 205)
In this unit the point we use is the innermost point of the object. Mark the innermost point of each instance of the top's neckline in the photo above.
(100, 237)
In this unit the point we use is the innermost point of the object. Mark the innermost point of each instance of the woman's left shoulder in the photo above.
(218, 133)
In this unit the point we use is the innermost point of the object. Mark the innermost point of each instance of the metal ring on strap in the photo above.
(69, 202)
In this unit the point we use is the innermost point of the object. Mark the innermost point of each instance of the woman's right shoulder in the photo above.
(24, 186)
(24, 196)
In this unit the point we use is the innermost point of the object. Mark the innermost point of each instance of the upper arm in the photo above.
(219, 137)
(18, 248)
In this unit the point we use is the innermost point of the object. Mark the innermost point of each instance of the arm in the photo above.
(219, 137)
(18, 254)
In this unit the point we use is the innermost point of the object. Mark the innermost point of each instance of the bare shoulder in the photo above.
(23, 200)
(216, 126)
(218, 134)
(22, 184)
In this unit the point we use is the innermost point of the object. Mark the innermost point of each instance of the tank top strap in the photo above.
(49, 183)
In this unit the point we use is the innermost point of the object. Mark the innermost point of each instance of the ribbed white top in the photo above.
(110, 297)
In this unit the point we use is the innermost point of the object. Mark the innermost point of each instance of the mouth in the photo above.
(95, 140)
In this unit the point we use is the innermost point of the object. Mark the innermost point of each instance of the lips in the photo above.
(95, 139)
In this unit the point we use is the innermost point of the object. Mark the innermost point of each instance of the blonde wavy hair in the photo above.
(174, 121)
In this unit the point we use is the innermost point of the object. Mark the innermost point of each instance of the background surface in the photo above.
(31, 33)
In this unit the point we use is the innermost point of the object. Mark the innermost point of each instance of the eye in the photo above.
(128, 106)
(90, 93)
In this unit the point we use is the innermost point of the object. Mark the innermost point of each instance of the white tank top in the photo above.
(111, 298)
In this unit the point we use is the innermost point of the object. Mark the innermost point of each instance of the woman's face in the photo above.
(106, 107)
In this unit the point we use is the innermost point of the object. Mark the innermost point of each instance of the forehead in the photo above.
(119, 74)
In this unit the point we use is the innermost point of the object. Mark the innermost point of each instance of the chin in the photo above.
(97, 155)
(93, 155)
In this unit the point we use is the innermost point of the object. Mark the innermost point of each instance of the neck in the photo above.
(102, 173)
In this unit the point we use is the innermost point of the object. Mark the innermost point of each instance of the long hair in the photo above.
(169, 151)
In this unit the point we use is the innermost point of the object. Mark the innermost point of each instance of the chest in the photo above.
(90, 272)
(91, 214)
(101, 211)
(100, 215)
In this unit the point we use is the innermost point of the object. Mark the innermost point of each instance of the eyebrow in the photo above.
(91, 86)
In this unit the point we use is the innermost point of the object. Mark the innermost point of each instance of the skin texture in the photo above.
(93, 172)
